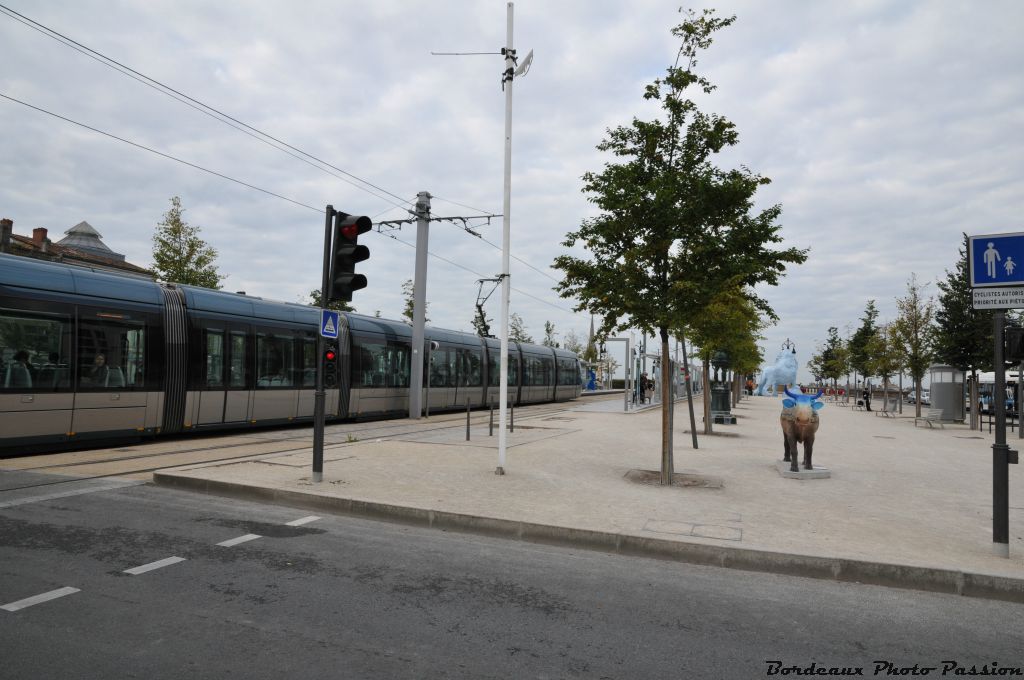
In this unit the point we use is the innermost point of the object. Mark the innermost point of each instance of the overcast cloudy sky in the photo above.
(887, 127)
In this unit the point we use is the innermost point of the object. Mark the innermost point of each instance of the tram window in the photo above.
(274, 360)
(471, 375)
(214, 359)
(494, 370)
(34, 353)
(439, 374)
(111, 356)
(378, 364)
(236, 369)
(308, 362)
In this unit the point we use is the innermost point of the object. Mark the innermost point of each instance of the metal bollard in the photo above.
(490, 429)
(512, 419)
(467, 420)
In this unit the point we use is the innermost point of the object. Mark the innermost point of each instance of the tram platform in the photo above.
(904, 506)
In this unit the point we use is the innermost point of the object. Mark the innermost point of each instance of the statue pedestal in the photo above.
(817, 473)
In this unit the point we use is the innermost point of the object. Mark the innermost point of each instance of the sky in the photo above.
(888, 128)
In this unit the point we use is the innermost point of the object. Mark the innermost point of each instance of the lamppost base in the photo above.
(1001, 549)
(318, 477)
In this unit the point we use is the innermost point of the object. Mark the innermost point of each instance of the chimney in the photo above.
(39, 238)
(6, 227)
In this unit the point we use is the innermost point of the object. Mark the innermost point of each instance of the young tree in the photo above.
(339, 305)
(573, 343)
(835, 357)
(674, 230)
(885, 355)
(481, 324)
(859, 357)
(914, 332)
(517, 329)
(179, 255)
(549, 335)
(409, 292)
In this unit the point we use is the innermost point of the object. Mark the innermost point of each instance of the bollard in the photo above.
(512, 419)
(490, 428)
(467, 419)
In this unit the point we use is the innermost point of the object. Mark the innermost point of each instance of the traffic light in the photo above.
(330, 367)
(345, 253)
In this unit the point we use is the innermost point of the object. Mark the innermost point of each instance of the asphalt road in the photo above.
(338, 597)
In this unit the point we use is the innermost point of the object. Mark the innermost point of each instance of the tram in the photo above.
(89, 355)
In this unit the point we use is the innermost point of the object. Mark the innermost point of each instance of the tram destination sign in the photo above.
(1010, 297)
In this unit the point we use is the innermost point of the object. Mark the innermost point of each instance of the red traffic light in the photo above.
(330, 355)
(351, 226)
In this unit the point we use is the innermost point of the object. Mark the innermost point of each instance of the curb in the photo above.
(948, 581)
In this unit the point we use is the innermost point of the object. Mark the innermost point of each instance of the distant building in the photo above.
(82, 245)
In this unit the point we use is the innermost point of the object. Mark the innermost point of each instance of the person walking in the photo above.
(866, 396)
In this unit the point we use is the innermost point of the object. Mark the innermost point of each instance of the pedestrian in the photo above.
(650, 390)
(867, 398)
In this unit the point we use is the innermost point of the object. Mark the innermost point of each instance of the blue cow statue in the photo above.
(782, 372)
(799, 423)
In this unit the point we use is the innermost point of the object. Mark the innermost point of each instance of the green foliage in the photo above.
(517, 329)
(963, 335)
(835, 357)
(481, 324)
(338, 305)
(408, 311)
(914, 330)
(573, 343)
(860, 358)
(673, 230)
(885, 353)
(549, 335)
(179, 255)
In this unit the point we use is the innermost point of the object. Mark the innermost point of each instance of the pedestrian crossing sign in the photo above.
(329, 321)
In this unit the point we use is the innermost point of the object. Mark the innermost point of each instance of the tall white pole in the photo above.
(510, 66)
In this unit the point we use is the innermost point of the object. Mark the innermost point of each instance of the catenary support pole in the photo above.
(419, 299)
(506, 228)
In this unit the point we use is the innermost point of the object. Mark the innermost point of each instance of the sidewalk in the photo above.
(905, 506)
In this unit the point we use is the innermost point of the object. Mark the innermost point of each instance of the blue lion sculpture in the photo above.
(782, 372)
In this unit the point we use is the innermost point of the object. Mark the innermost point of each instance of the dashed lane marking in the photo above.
(135, 571)
(302, 520)
(239, 539)
(38, 599)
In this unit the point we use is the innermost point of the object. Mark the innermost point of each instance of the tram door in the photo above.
(225, 395)
(443, 375)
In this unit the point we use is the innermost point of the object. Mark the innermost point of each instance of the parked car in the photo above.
(925, 398)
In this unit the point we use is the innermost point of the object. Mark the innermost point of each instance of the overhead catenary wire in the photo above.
(203, 108)
(160, 153)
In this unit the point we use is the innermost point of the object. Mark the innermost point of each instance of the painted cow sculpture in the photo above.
(782, 372)
(799, 423)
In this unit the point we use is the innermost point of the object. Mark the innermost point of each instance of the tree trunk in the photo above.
(666, 413)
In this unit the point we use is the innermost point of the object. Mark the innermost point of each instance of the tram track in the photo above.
(398, 429)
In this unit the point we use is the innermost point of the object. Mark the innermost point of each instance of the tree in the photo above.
(914, 332)
(481, 324)
(885, 355)
(835, 357)
(549, 335)
(859, 356)
(963, 335)
(573, 343)
(517, 329)
(409, 291)
(673, 230)
(179, 255)
(339, 305)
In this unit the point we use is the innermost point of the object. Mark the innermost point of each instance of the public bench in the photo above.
(889, 410)
(932, 417)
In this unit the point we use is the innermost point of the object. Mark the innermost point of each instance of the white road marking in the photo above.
(302, 520)
(37, 599)
(154, 565)
(239, 539)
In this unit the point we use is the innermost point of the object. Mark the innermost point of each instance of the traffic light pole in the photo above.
(319, 396)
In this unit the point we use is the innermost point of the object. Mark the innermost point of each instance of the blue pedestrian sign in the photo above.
(996, 259)
(329, 323)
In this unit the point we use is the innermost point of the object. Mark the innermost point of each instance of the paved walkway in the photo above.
(905, 506)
